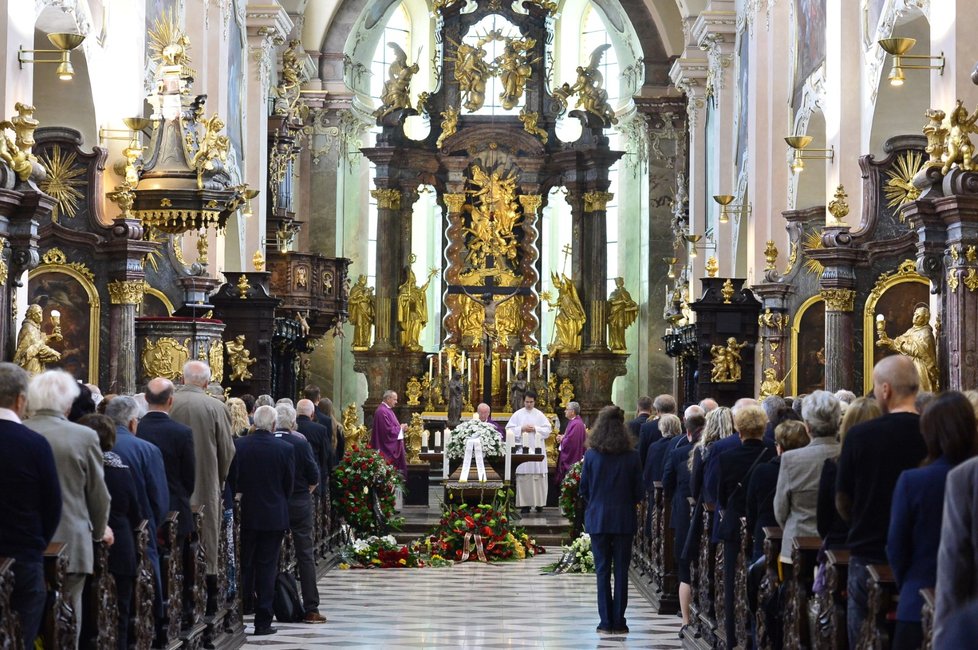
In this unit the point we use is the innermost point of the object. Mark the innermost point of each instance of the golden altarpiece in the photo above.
(492, 170)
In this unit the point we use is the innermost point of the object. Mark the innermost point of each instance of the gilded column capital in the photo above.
(454, 202)
(387, 198)
(531, 202)
(597, 201)
(838, 299)
(126, 292)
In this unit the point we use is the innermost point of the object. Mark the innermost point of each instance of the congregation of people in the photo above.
(80, 469)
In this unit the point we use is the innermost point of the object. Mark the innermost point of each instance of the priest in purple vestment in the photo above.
(485, 414)
(571, 441)
(388, 433)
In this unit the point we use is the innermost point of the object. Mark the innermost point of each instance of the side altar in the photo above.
(492, 160)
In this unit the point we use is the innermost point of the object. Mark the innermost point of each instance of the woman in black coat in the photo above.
(124, 518)
(611, 486)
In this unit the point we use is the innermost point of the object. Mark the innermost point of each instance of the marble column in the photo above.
(837, 288)
(594, 269)
(947, 230)
(454, 250)
(390, 267)
(528, 304)
(125, 296)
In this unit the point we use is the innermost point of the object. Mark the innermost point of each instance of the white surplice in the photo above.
(542, 428)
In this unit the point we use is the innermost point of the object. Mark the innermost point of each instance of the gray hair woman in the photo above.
(796, 497)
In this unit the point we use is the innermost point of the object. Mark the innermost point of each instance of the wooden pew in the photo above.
(927, 618)
(58, 628)
(830, 626)
(10, 636)
(883, 594)
(101, 629)
(234, 621)
(669, 578)
(171, 575)
(804, 554)
(655, 539)
(704, 588)
(741, 605)
(770, 583)
(195, 584)
(719, 606)
(144, 591)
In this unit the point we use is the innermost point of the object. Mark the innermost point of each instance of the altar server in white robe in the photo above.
(531, 478)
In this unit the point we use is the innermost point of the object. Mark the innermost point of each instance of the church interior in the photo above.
(479, 202)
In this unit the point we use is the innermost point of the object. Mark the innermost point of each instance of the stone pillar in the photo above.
(528, 267)
(838, 284)
(947, 230)
(125, 296)
(593, 277)
(773, 328)
(454, 250)
(390, 266)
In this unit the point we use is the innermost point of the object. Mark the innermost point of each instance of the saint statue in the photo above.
(771, 385)
(959, 149)
(412, 310)
(33, 352)
(361, 310)
(471, 72)
(591, 95)
(514, 70)
(455, 390)
(622, 312)
(570, 315)
(917, 343)
(239, 358)
(518, 391)
(397, 88)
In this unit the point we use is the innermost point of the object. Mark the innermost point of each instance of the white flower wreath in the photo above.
(492, 443)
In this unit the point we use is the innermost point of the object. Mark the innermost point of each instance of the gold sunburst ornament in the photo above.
(899, 188)
(813, 241)
(65, 177)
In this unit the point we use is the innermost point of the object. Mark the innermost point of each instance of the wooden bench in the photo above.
(927, 618)
(804, 555)
(883, 595)
(59, 624)
(741, 604)
(830, 623)
(770, 583)
(195, 584)
(703, 585)
(666, 542)
(171, 576)
(10, 636)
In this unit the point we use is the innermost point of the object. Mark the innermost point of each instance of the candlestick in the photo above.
(517, 363)
(440, 369)
(437, 439)
(549, 364)
(508, 369)
(424, 439)
(529, 371)
(431, 363)
(470, 371)
(448, 437)
(536, 442)
(541, 364)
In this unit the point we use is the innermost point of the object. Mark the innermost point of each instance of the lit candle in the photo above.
(431, 363)
(517, 363)
(548, 369)
(529, 370)
(470, 371)
(437, 439)
(440, 369)
(541, 364)
(424, 439)
(508, 370)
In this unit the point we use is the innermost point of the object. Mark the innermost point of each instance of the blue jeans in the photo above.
(28, 598)
(611, 549)
(858, 589)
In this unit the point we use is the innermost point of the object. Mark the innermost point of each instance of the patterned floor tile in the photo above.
(477, 606)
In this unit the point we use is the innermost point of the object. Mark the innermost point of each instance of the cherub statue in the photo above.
(397, 88)
(727, 361)
(449, 124)
(213, 150)
(239, 358)
(33, 352)
(959, 149)
(936, 136)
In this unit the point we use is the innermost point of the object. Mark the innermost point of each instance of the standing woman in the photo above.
(611, 486)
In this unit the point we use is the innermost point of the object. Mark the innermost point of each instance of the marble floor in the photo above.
(474, 605)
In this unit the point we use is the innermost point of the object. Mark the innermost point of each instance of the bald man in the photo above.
(873, 456)
(318, 437)
(176, 443)
(485, 415)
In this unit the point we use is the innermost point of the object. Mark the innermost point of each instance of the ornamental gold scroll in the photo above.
(727, 361)
(239, 358)
(165, 357)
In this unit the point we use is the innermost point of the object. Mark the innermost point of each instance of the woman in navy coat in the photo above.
(611, 486)
(948, 427)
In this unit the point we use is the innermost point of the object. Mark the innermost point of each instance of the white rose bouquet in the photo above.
(492, 443)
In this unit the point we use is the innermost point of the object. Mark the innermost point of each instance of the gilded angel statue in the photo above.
(397, 88)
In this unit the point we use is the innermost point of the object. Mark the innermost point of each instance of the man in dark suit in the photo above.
(176, 442)
(649, 432)
(736, 466)
(301, 517)
(263, 472)
(317, 435)
(30, 501)
(644, 411)
(312, 393)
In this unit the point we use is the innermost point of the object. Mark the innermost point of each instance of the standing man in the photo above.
(531, 478)
(873, 456)
(317, 435)
(213, 451)
(644, 407)
(300, 509)
(388, 433)
(650, 430)
(176, 442)
(312, 393)
(571, 442)
(30, 501)
(78, 457)
(263, 473)
(485, 415)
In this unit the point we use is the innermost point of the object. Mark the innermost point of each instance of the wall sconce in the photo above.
(726, 205)
(671, 261)
(248, 195)
(800, 143)
(135, 125)
(65, 43)
(898, 48)
(284, 236)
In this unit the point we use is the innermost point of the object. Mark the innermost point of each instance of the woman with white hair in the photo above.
(796, 497)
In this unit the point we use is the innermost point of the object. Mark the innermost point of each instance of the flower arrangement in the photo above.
(363, 489)
(379, 552)
(570, 501)
(492, 443)
(500, 539)
(576, 558)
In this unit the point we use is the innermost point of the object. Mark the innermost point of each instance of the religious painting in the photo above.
(56, 291)
(809, 41)
(896, 303)
(743, 61)
(155, 305)
(807, 372)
